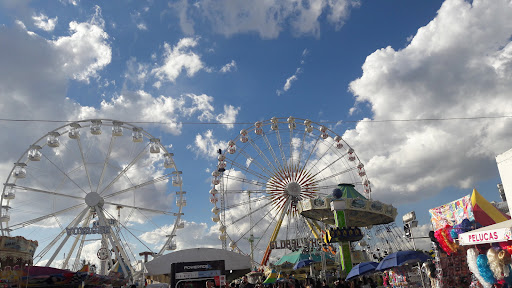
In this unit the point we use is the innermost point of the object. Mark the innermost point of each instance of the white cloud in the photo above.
(200, 103)
(35, 75)
(136, 73)
(43, 22)
(193, 235)
(142, 26)
(294, 77)
(85, 51)
(139, 105)
(289, 81)
(20, 24)
(228, 67)
(458, 65)
(207, 145)
(267, 18)
(186, 23)
(422, 231)
(338, 11)
(229, 116)
(72, 2)
(177, 59)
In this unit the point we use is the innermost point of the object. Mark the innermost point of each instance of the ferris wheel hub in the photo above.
(293, 189)
(94, 199)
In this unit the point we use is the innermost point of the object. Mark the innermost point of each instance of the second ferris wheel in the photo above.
(266, 171)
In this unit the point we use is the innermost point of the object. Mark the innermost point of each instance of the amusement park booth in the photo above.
(459, 245)
(200, 261)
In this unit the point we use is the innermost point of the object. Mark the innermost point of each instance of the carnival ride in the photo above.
(273, 188)
(90, 185)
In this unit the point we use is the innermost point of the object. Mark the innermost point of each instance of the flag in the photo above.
(272, 277)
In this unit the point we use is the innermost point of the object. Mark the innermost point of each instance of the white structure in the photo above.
(504, 162)
(233, 261)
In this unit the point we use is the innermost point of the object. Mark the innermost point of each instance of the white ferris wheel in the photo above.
(263, 175)
(94, 183)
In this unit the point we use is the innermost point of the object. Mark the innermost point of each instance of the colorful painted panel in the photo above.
(452, 213)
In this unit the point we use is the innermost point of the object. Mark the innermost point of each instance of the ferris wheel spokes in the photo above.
(125, 169)
(249, 214)
(79, 142)
(141, 185)
(41, 218)
(263, 156)
(251, 161)
(46, 192)
(105, 162)
(64, 173)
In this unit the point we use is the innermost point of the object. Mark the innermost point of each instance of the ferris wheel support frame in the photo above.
(273, 238)
(73, 223)
(68, 256)
(114, 241)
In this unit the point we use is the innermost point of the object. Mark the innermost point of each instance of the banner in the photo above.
(452, 213)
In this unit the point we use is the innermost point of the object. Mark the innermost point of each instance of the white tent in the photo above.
(233, 261)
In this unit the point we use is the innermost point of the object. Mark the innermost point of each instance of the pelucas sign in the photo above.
(489, 236)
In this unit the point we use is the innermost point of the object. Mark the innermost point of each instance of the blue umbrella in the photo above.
(362, 269)
(400, 258)
(302, 263)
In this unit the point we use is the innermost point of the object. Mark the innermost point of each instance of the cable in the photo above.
(249, 123)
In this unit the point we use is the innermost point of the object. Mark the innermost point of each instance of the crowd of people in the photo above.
(362, 282)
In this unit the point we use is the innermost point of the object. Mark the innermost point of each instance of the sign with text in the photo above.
(88, 230)
(198, 270)
(199, 266)
(293, 244)
(489, 236)
(198, 274)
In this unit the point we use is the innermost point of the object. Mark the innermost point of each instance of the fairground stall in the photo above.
(455, 262)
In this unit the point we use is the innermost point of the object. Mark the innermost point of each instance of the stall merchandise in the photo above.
(453, 270)
(405, 276)
(455, 260)
(448, 221)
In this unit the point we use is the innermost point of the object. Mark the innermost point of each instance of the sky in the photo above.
(377, 73)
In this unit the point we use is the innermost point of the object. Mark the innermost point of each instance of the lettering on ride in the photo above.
(295, 243)
(88, 230)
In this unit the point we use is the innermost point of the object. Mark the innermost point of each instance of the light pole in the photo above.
(410, 222)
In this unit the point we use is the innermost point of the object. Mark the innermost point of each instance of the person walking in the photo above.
(245, 283)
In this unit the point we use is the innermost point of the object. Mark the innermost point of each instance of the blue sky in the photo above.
(332, 61)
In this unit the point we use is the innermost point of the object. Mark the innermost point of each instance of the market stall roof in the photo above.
(297, 256)
(233, 261)
(498, 232)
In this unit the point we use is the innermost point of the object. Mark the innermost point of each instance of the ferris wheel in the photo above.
(94, 184)
(263, 175)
